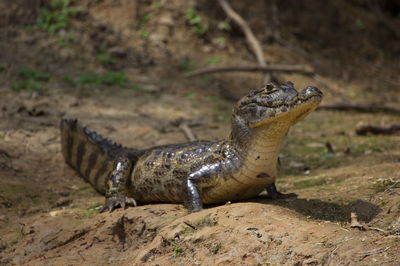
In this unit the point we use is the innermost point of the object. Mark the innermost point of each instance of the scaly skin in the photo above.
(199, 172)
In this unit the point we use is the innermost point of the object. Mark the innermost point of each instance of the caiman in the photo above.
(198, 172)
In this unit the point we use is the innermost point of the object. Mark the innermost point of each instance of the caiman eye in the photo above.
(270, 88)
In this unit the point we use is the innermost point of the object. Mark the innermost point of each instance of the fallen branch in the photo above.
(370, 108)
(190, 225)
(188, 133)
(376, 229)
(270, 68)
(378, 130)
(372, 252)
(250, 37)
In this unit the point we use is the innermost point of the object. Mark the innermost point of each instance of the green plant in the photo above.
(215, 99)
(105, 58)
(186, 64)
(29, 73)
(385, 184)
(145, 20)
(69, 81)
(144, 34)
(178, 250)
(195, 21)
(213, 60)
(26, 85)
(360, 24)
(221, 41)
(30, 79)
(108, 79)
(113, 78)
(138, 88)
(224, 25)
(56, 17)
(156, 5)
(66, 39)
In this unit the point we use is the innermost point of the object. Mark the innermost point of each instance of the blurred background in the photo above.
(146, 72)
(148, 45)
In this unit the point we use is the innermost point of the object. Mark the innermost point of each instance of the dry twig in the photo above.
(366, 108)
(190, 225)
(270, 68)
(250, 37)
(378, 130)
(188, 133)
(372, 252)
(376, 229)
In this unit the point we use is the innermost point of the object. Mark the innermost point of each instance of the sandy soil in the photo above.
(49, 215)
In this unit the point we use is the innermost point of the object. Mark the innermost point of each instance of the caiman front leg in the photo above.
(116, 185)
(195, 182)
(273, 193)
(191, 196)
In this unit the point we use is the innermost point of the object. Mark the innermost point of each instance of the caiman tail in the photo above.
(91, 155)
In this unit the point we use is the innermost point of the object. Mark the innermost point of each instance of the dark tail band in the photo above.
(90, 154)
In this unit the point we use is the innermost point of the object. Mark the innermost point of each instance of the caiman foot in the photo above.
(193, 209)
(273, 193)
(115, 201)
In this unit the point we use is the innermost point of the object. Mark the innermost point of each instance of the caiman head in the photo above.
(273, 106)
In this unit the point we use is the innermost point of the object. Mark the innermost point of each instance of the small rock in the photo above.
(294, 164)
(3, 218)
(67, 54)
(311, 261)
(55, 213)
(118, 51)
(63, 203)
(27, 231)
(35, 95)
(315, 145)
(206, 48)
(166, 19)
(64, 193)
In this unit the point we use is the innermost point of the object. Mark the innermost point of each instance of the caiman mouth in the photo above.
(272, 101)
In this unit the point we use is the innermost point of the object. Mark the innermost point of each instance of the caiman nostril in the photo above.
(311, 91)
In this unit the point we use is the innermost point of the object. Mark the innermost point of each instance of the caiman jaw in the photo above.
(273, 102)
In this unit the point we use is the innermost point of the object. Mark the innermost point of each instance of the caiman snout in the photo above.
(264, 105)
(310, 91)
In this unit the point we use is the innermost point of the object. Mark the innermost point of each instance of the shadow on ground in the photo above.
(327, 211)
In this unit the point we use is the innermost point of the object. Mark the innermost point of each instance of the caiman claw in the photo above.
(114, 202)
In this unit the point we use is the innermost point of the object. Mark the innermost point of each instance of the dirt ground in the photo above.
(49, 215)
